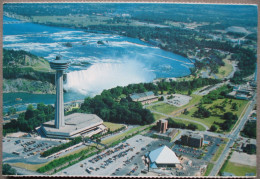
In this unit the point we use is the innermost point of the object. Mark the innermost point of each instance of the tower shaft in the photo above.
(59, 66)
(59, 104)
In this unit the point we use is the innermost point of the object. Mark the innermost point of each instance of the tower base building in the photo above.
(77, 124)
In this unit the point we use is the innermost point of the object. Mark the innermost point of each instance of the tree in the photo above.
(189, 92)
(8, 170)
(186, 112)
(11, 110)
(98, 140)
(202, 112)
(213, 128)
(29, 112)
(192, 127)
(230, 116)
(161, 98)
(234, 106)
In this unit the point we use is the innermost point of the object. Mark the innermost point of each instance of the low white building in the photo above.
(162, 157)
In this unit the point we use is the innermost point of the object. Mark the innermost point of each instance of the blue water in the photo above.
(127, 60)
(9, 99)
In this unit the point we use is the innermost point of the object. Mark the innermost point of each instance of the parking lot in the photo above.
(179, 100)
(26, 150)
(123, 159)
(126, 159)
(205, 153)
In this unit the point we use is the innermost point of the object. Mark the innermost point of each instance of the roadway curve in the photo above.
(166, 115)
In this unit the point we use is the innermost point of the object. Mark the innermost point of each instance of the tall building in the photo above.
(73, 125)
(162, 125)
(59, 65)
(192, 140)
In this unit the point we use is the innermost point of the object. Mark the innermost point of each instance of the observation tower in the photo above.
(59, 65)
(73, 125)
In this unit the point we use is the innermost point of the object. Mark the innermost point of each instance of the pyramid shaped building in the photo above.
(163, 157)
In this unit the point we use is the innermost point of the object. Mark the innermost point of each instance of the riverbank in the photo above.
(27, 86)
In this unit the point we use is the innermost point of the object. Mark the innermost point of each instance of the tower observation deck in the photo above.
(59, 65)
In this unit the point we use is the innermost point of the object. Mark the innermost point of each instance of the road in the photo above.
(202, 92)
(232, 137)
(166, 115)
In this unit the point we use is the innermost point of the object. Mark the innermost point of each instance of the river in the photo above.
(118, 62)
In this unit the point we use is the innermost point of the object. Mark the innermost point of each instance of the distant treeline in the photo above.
(226, 16)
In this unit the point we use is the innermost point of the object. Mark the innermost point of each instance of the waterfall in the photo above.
(102, 76)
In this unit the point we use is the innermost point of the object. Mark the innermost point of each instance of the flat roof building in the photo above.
(192, 140)
(144, 98)
(76, 124)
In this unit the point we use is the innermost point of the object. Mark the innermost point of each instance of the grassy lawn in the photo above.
(200, 127)
(163, 108)
(240, 103)
(32, 167)
(195, 99)
(79, 150)
(209, 121)
(238, 169)
(170, 109)
(42, 65)
(113, 126)
(226, 69)
(158, 116)
(219, 152)
(209, 168)
(115, 138)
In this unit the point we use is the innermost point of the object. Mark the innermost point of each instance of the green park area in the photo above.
(113, 126)
(170, 109)
(217, 108)
(118, 137)
(239, 169)
(163, 108)
(158, 116)
(226, 69)
(199, 127)
(42, 65)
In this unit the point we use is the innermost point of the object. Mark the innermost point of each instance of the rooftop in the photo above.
(163, 155)
(141, 95)
(59, 64)
(74, 123)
